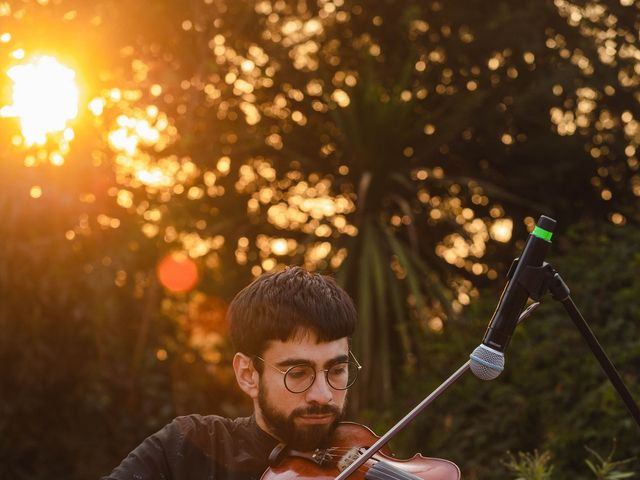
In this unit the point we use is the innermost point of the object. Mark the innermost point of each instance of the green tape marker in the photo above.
(542, 233)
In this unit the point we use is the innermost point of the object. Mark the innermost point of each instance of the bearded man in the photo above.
(291, 331)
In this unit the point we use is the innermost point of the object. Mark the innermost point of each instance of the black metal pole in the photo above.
(601, 356)
(561, 293)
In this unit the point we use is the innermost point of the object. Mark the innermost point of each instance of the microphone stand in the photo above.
(539, 280)
(408, 418)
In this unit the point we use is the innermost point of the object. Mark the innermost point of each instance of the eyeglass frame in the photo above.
(315, 373)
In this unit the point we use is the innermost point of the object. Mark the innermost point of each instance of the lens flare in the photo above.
(177, 272)
(45, 97)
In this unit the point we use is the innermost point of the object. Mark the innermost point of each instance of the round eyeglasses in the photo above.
(299, 378)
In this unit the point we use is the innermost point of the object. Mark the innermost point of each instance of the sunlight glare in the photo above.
(45, 97)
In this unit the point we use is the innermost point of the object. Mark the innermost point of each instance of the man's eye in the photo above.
(298, 373)
(339, 369)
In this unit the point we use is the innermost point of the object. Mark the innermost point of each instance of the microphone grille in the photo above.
(486, 363)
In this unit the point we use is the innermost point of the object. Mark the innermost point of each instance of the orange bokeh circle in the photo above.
(177, 272)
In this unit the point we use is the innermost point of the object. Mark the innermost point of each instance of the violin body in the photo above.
(347, 440)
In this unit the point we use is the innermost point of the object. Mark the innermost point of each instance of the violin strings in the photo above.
(338, 450)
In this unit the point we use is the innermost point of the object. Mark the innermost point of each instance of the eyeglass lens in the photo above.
(340, 376)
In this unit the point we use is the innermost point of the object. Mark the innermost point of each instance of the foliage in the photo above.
(382, 141)
(310, 132)
(530, 466)
(607, 468)
(80, 378)
(536, 466)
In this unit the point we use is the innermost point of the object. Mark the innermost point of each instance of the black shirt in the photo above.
(197, 447)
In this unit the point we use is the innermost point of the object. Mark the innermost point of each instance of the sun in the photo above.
(45, 97)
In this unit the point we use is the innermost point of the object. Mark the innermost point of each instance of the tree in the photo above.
(392, 143)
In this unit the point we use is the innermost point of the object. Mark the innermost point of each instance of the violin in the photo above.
(347, 443)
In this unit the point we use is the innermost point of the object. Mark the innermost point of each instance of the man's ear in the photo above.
(246, 375)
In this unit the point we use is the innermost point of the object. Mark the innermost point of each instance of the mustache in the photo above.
(316, 409)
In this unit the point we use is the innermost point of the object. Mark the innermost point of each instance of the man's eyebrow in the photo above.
(292, 362)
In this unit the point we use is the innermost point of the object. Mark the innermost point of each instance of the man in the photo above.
(291, 332)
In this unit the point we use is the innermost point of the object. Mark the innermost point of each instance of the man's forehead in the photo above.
(306, 347)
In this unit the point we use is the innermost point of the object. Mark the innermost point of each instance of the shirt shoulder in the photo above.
(200, 446)
(187, 445)
(202, 432)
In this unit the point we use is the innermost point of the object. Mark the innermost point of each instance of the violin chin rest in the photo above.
(275, 457)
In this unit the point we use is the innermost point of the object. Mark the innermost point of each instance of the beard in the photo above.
(304, 438)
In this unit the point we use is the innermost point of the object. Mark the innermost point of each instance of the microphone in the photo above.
(487, 360)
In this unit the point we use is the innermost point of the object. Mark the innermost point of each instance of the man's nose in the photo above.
(320, 391)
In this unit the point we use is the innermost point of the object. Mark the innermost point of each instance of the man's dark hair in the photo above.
(281, 305)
